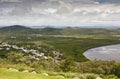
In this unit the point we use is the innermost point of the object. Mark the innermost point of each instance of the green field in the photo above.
(69, 61)
(7, 74)
(10, 74)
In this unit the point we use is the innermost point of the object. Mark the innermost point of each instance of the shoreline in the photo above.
(108, 52)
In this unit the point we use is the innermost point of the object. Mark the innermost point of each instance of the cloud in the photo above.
(10, 1)
(59, 12)
(50, 10)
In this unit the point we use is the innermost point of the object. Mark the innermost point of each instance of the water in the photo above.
(111, 52)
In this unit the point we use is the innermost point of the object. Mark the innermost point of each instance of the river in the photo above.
(110, 52)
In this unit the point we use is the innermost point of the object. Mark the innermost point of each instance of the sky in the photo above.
(60, 12)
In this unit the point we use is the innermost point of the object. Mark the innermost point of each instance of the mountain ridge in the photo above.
(19, 29)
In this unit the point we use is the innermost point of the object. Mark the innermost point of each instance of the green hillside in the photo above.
(10, 74)
(15, 29)
(7, 74)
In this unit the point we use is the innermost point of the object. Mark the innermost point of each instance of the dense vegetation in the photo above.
(69, 43)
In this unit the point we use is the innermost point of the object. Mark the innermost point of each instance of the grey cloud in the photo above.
(56, 12)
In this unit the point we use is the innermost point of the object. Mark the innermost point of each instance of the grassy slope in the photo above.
(75, 48)
(7, 74)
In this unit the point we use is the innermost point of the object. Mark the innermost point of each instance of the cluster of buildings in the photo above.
(36, 54)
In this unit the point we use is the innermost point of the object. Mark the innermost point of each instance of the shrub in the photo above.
(91, 77)
(116, 69)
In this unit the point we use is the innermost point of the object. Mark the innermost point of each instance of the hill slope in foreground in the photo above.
(10, 74)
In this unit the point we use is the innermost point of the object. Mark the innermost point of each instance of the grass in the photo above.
(7, 74)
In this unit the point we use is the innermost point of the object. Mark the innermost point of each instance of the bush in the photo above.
(68, 65)
(116, 69)
(91, 77)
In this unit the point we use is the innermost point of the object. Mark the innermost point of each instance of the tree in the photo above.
(18, 57)
(14, 57)
(116, 69)
(68, 65)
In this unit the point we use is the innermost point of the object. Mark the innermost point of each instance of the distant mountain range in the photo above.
(44, 26)
(18, 29)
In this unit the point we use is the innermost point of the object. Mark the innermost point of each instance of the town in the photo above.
(35, 53)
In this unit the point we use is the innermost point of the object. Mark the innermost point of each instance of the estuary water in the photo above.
(111, 52)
